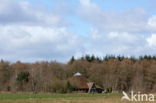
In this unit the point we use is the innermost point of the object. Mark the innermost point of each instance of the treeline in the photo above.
(116, 72)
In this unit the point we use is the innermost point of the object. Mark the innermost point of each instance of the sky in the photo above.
(56, 30)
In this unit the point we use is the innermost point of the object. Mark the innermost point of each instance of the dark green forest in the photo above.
(116, 72)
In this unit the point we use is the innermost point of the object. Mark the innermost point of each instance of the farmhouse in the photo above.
(83, 85)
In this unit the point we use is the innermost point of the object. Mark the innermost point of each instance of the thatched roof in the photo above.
(78, 82)
(90, 84)
(81, 82)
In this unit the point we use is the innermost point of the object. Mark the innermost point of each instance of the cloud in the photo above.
(123, 37)
(115, 36)
(118, 32)
(22, 12)
(152, 40)
(132, 20)
(152, 23)
(117, 43)
(29, 33)
(38, 42)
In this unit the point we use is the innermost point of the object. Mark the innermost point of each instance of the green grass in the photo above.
(7, 96)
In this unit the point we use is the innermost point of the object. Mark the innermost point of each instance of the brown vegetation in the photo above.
(118, 73)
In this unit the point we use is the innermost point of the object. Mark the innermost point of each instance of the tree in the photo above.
(72, 60)
(22, 79)
(70, 88)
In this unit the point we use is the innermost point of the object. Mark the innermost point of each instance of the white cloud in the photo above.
(22, 12)
(123, 36)
(133, 20)
(124, 43)
(43, 42)
(118, 32)
(29, 33)
(88, 6)
(152, 23)
(152, 40)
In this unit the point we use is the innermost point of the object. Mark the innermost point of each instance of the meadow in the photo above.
(62, 98)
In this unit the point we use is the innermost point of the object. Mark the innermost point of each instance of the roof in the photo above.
(77, 74)
(78, 82)
(90, 84)
(81, 82)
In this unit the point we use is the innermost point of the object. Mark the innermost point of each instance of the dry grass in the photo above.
(110, 99)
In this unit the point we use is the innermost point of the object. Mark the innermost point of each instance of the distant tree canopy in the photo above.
(72, 60)
(23, 77)
(113, 73)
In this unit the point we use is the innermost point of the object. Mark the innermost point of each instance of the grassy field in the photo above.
(62, 98)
